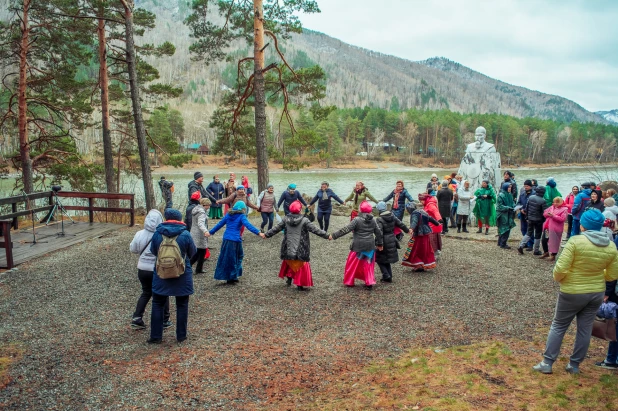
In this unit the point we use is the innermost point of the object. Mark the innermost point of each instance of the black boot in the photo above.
(459, 228)
(487, 231)
(288, 281)
(480, 230)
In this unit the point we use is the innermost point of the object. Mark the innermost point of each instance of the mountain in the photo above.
(611, 116)
(356, 77)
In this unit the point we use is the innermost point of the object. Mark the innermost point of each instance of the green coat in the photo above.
(485, 207)
(505, 214)
(550, 194)
(365, 195)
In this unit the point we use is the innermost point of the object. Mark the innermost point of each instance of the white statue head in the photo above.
(479, 135)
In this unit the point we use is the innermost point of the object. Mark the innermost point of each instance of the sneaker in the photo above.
(606, 365)
(154, 341)
(542, 368)
(138, 323)
(572, 370)
(506, 247)
(167, 324)
(386, 280)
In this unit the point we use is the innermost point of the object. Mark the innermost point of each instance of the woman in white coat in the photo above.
(464, 197)
(199, 228)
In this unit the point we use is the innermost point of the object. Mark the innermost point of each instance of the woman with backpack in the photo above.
(295, 247)
(229, 265)
(173, 246)
(145, 269)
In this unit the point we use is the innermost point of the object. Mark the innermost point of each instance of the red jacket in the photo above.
(431, 208)
(568, 201)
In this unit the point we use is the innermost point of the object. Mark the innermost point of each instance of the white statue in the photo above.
(480, 145)
(481, 162)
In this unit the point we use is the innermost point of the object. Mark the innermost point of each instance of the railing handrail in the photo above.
(23, 198)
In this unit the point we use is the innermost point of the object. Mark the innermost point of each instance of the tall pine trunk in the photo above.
(137, 108)
(108, 155)
(22, 119)
(260, 95)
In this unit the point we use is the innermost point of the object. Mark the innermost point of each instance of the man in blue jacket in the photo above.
(324, 198)
(288, 197)
(579, 206)
(181, 287)
(524, 195)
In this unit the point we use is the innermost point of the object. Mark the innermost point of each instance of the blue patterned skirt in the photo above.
(229, 265)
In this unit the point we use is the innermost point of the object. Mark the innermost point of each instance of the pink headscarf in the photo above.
(295, 207)
(365, 207)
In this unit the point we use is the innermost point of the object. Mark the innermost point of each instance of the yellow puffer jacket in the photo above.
(586, 262)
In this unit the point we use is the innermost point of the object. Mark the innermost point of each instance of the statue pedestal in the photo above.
(476, 167)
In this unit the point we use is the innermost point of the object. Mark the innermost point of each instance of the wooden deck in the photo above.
(48, 239)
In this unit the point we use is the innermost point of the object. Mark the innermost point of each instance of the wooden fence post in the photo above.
(7, 243)
(15, 223)
(132, 211)
(90, 210)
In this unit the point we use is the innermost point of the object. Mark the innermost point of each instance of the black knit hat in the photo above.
(197, 175)
(528, 183)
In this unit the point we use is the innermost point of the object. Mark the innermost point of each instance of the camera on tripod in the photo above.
(55, 189)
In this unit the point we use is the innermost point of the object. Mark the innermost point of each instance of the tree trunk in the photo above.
(108, 155)
(137, 108)
(259, 94)
(22, 120)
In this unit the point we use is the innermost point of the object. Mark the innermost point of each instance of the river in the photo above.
(379, 182)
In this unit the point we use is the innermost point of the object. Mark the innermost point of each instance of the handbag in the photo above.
(604, 328)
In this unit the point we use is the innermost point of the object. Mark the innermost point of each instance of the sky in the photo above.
(563, 47)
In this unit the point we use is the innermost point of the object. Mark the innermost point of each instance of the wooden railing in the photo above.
(11, 220)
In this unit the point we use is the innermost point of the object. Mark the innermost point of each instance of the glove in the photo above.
(306, 210)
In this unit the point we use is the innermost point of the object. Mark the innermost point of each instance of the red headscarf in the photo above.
(196, 196)
(295, 207)
(245, 182)
(365, 207)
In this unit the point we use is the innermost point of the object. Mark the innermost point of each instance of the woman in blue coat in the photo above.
(399, 196)
(181, 287)
(324, 198)
(229, 265)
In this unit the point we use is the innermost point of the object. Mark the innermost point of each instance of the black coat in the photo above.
(193, 186)
(445, 197)
(536, 206)
(295, 244)
(189, 213)
(387, 223)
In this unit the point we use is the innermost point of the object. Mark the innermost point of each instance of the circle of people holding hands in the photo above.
(587, 267)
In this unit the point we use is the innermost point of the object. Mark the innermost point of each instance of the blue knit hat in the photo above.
(381, 206)
(173, 214)
(240, 205)
(292, 187)
(592, 220)
(551, 182)
(240, 187)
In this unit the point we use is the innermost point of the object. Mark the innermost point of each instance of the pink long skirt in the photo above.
(302, 277)
(356, 269)
(555, 238)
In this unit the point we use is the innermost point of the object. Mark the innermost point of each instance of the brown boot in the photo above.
(552, 258)
(545, 255)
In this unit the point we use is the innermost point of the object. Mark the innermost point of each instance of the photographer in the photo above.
(167, 189)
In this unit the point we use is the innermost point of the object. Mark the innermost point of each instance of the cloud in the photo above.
(562, 47)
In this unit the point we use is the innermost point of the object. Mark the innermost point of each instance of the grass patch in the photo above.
(9, 354)
(485, 376)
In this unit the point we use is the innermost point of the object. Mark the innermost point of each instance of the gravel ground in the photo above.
(253, 343)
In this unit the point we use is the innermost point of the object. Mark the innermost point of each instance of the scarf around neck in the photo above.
(397, 191)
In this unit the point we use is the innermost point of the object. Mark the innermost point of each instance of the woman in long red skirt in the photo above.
(295, 247)
(366, 238)
(430, 206)
(419, 254)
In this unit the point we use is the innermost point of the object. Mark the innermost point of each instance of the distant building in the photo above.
(191, 148)
(203, 150)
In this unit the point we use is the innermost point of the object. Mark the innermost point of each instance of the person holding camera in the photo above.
(167, 190)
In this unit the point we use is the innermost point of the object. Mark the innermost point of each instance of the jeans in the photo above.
(453, 218)
(569, 306)
(612, 351)
(323, 219)
(387, 271)
(576, 230)
(570, 225)
(182, 316)
(199, 257)
(503, 238)
(145, 278)
(524, 229)
(267, 218)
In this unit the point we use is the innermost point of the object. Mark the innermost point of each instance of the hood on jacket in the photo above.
(235, 212)
(197, 210)
(598, 238)
(294, 219)
(540, 191)
(171, 229)
(366, 217)
(152, 220)
(612, 209)
(386, 213)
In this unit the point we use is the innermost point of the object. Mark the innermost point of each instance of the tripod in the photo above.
(63, 212)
